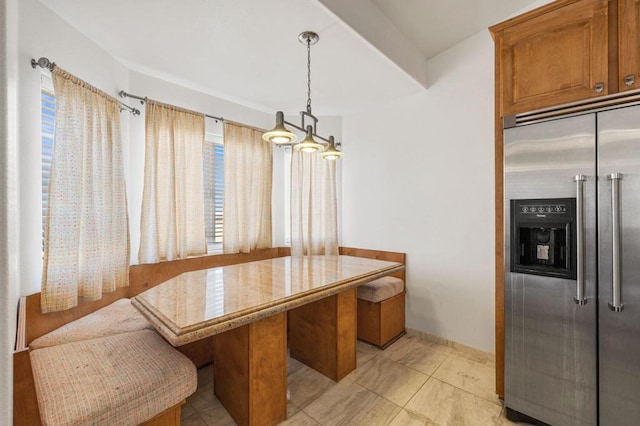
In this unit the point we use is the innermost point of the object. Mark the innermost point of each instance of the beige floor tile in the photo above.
(418, 354)
(205, 376)
(306, 384)
(365, 352)
(300, 419)
(192, 420)
(389, 379)
(292, 409)
(409, 418)
(215, 414)
(470, 375)
(186, 410)
(293, 365)
(348, 403)
(447, 405)
(203, 399)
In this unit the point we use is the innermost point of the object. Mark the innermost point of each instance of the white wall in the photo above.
(418, 178)
(9, 278)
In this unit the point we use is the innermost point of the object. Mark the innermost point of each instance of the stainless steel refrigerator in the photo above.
(572, 269)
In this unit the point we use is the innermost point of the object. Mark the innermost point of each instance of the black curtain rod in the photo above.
(45, 63)
(142, 100)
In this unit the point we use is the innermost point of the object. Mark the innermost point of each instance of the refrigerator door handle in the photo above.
(580, 298)
(616, 304)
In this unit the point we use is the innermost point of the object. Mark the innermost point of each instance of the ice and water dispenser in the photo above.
(543, 237)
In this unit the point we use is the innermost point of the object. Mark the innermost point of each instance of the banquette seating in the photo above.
(103, 363)
(109, 367)
(381, 303)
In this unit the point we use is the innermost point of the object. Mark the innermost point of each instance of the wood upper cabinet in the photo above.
(554, 55)
(629, 44)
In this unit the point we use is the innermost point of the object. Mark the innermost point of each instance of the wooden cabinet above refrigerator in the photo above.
(566, 51)
(553, 56)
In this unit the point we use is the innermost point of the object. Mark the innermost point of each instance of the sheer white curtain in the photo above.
(314, 212)
(86, 250)
(172, 225)
(248, 168)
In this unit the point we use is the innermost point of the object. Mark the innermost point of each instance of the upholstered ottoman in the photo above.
(123, 379)
(381, 310)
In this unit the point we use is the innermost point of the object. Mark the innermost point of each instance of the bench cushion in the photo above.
(119, 317)
(123, 379)
(380, 289)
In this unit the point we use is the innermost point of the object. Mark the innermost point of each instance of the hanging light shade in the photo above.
(308, 144)
(279, 134)
(331, 153)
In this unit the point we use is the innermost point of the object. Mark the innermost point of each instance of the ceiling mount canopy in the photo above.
(281, 136)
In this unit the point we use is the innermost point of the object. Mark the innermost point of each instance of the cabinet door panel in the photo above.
(629, 44)
(555, 58)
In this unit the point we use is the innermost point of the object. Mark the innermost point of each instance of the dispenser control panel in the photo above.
(543, 237)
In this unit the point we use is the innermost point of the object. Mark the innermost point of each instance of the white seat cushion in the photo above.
(380, 289)
(119, 317)
(124, 379)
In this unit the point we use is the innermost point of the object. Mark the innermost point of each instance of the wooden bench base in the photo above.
(169, 417)
(381, 323)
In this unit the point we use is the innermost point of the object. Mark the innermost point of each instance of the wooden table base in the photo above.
(250, 371)
(322, 334)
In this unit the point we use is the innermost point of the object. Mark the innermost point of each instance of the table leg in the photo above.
(323, 335)
(250, 371)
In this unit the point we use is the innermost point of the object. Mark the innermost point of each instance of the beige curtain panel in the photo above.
(172, 225)
(86, 251)
(314, 212)
(248, 168)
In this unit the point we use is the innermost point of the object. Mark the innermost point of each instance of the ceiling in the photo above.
(247, 51)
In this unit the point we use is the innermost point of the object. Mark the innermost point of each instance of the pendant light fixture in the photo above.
(280, 135)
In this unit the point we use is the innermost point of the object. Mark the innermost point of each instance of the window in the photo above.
(48, 115)
(213, 172)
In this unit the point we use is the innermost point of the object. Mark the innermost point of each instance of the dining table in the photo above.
(261, 312)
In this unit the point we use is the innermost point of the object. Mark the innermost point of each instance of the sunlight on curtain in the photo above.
(248, 167)
(86, 251)
(172, 225)
(314, 212)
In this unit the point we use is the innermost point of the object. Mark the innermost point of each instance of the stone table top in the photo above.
(198, 304)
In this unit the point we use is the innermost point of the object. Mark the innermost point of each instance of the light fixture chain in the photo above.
(309, 75)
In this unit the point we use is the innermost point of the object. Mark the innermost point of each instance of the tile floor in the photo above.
(412, 382)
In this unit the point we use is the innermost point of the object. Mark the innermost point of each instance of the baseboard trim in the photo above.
(452, 344)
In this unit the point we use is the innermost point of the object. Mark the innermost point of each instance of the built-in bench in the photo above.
(109, 367)
(84, 331)
(381, 303)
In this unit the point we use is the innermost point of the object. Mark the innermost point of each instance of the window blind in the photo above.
(48, 116)
(213, 158)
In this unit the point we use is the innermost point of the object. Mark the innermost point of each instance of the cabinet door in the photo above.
(554, 58)
(629, 44)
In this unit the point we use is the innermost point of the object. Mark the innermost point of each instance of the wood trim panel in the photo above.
(25, 400)
(389, 256)
(169, 417)
(499, 227)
